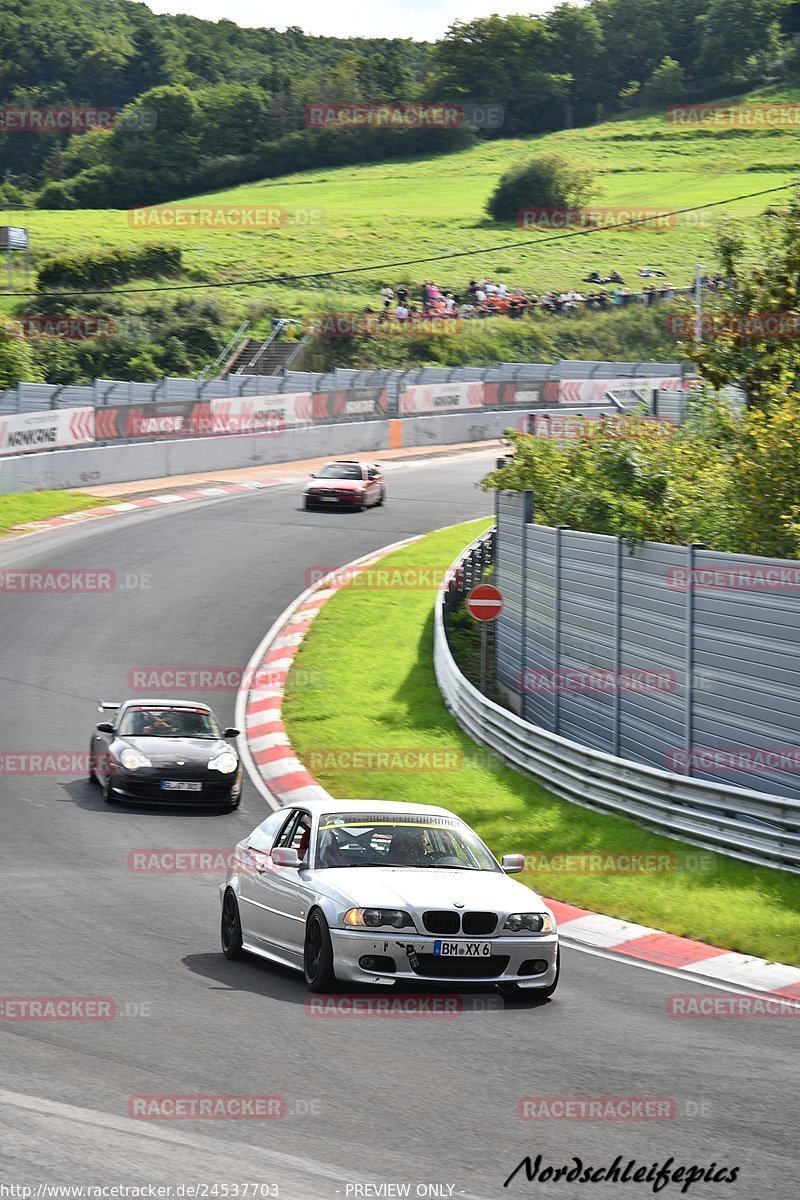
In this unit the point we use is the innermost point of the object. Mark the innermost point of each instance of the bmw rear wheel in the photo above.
(231, 928)
(318, 954)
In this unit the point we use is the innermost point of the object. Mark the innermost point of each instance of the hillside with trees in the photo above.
(230, 102)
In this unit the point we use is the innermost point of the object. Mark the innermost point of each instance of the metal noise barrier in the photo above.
(756, 827)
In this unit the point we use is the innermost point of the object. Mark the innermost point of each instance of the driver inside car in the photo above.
(302, 846)
(407, 849)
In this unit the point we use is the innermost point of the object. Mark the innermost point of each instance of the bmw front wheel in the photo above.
(231, 928)
(318, 955)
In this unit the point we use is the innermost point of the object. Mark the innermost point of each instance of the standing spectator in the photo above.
(402, 295)
(387, 293)
(425, 295)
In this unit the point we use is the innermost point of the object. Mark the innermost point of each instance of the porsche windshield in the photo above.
(169, 722)
(400, 840)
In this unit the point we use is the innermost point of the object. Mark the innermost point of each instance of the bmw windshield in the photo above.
(340, 471)
(400, 840)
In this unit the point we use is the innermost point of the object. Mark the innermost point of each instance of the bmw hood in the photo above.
(430, 887)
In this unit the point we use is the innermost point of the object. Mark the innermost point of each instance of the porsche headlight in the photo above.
(132, 759)
(529, 923)
(226, 762)
(375, 918)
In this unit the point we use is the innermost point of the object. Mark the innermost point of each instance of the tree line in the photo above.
(230, 103)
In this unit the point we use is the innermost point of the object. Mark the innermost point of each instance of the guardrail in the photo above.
(754, 826)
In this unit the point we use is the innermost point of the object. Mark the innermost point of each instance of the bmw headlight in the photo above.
(529, 923)
(226, 762)
(132, 759)
(375, 918)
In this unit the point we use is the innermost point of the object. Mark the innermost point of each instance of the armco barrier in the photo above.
(755, 826)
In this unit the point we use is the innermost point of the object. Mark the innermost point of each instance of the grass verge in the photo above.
(373, 650)
(18, 508)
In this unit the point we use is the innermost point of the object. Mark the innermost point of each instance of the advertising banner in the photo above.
(595, 391)
(442, 397)
(21, 432)
(163, 419)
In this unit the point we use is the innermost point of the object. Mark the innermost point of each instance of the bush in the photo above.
(56, 195)
(665, 85)
(550, 181)
(725, 478)
(164, 338)
(74, 272)
(12, 196)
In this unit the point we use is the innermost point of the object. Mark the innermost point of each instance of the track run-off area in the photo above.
(423, 1103)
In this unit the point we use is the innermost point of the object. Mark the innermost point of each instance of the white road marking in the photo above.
(143, 1129)
(682, 973)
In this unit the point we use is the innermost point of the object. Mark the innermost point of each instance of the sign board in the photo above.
(12, 237)
(442, 397)
(21, 432)
(485, 602)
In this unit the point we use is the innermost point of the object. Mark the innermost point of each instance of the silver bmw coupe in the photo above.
(374, 892)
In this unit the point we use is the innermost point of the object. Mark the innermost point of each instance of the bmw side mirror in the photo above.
(282, 856)
(105, 727)
(231, 733)
(512, 864)
(313, 475)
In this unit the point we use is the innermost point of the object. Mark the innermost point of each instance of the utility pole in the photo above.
(698, 302)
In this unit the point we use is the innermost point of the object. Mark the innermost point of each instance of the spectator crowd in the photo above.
(489, 298)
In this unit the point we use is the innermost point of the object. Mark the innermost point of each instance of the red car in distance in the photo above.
(346, 484)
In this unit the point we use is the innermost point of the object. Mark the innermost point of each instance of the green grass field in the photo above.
(435, 206)
(378, 644)
(17, 509)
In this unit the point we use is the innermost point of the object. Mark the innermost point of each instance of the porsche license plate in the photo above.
(178, 785)
(462, 949)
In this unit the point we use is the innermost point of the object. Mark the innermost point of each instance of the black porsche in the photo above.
(165, 752)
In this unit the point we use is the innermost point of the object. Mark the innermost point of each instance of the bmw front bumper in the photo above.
(365, 957)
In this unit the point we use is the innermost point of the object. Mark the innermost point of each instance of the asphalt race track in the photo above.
(375, 1101)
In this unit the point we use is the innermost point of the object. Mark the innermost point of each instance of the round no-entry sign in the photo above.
(484, 602)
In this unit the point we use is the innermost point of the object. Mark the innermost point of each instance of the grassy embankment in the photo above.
(378, 644)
